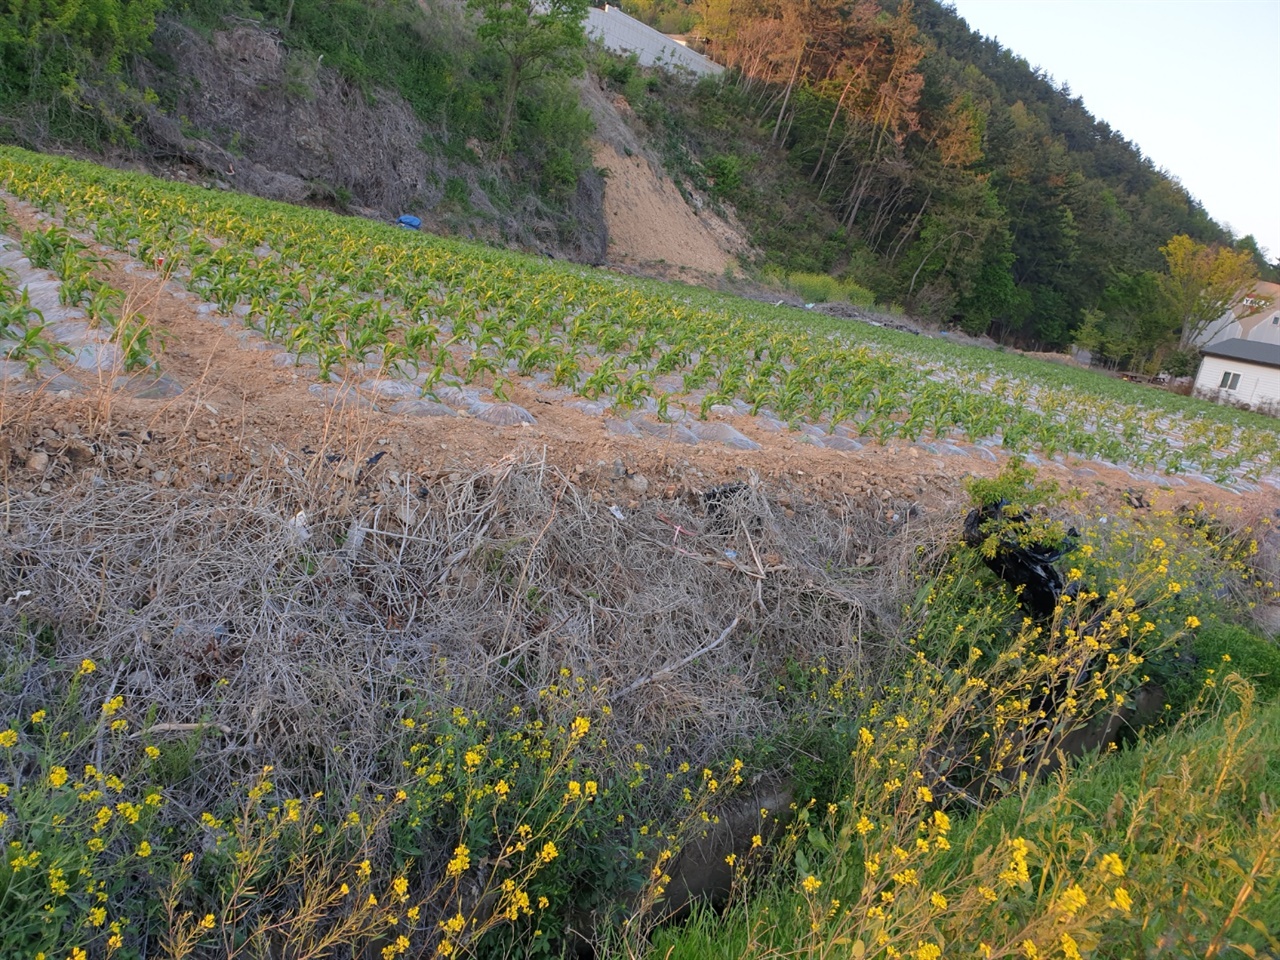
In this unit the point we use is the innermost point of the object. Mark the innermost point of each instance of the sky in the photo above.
(1194, 83)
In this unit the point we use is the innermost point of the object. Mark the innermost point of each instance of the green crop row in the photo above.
(349, 295)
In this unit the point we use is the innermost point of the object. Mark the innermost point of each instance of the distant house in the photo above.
(1240, 371)
(1256, 319)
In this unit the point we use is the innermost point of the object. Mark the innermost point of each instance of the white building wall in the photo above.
(1267, 329)
(623, 34)
(1259, 386)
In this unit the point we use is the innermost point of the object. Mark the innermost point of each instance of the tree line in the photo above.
(959, 179)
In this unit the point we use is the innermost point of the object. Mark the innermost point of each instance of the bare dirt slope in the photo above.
(650, 223)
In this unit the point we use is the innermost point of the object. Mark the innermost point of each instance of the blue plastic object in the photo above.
(410, 223)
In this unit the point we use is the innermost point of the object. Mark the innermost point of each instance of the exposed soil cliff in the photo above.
(240, 110)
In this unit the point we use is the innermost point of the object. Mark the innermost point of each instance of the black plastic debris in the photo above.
(1016, 561)
(723, 504)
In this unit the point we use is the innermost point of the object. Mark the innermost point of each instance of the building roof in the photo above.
(1250, 351)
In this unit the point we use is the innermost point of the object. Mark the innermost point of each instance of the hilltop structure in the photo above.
(623, 34)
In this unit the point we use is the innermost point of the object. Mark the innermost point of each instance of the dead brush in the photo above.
(283, 613)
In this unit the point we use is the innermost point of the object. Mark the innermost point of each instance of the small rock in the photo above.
(38, 462)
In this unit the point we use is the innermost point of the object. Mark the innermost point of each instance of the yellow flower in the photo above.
(927, 951)
(409, 723)
(400, 888)
(1070, 949)
(1193, 621)
(907, 878)
(8, 738)
(97, 916)
(87, 666)
(1111, 864)
(938, 900)
(454, 925)
(1073, 899)
(460, 862)
(57, 777)
(864, 826)
(1121, 899)
(144, 849)
(756, 841)
(207, 923)
(152, 752)
(925, 794)
(811, 884)
(580, 728)
(548, 852)
(112, 706)
(38, 716)
(1175, 586)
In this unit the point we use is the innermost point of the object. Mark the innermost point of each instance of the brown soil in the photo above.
(650, 223)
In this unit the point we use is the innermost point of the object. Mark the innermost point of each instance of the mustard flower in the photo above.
(1112, 864)
(460, 862)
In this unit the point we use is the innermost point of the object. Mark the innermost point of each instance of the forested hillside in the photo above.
(935, 166)
(462, 113)
(882, 142)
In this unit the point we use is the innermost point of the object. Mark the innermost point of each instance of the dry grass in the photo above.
(303, 637)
